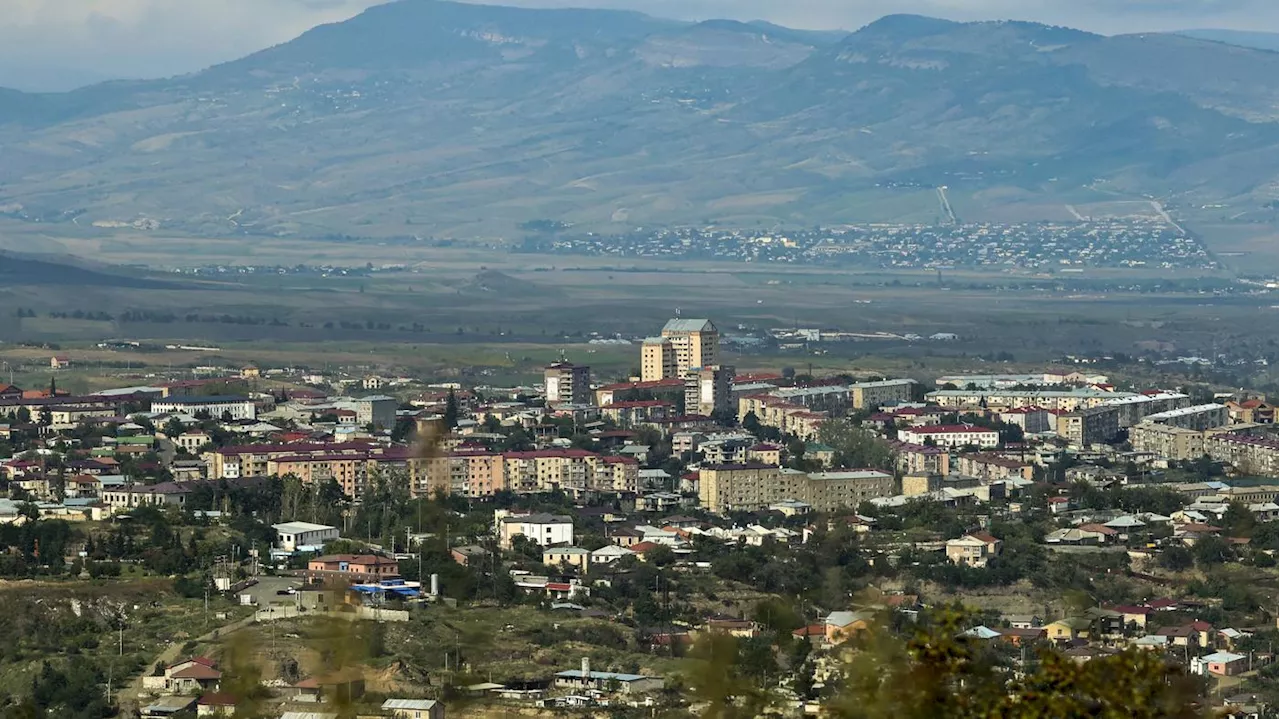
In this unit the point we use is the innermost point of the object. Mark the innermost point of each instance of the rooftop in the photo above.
(209, 399)
(689, 325)
(1185, 411)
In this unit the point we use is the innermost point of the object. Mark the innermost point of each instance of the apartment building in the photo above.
(548, 470)
(846, 489)
(696, 343)
(991, 467)
(352, 472)
(951, 435)
(1200, 416)
(995, 399)
(921, 458)
(217, 406)
(1133, 410)
(708, 390)
(1250, 454)
(1087, 427)
(567, 383)
(657, 359)
(754, 487)
(869, 395)
(633, 412)
(476, 474)
(1032, 420)
(1170, 442)
(669, 389)
(834, 399)
(251, 460)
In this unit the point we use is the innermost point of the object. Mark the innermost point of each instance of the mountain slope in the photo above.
(1243, 38)
(426, 118)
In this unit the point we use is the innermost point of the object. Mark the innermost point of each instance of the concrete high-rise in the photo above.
(567, 383)
(657, 359)
(696, 343)
(709, 390)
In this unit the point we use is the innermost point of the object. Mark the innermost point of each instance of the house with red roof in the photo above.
(974, 549)
(216, 704)
(190, 676)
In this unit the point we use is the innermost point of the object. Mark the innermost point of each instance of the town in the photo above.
(338, 544)
(1103, 242)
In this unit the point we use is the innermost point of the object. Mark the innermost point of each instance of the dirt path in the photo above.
(128, 695)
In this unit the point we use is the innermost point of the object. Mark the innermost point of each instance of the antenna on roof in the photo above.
(677, 312)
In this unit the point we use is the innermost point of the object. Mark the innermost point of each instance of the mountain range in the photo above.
(424, 117)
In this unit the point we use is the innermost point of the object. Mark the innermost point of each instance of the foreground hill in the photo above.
(435, 118)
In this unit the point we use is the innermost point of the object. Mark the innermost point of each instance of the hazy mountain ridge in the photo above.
(433, 117)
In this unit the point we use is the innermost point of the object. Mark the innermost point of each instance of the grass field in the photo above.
(489, 315)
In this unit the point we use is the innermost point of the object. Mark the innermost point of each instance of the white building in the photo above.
(217, 406)
(546, 530)
(951, 435)
(414, 708)
(303, 536)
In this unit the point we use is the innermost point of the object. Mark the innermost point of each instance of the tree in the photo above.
(1238, 520)
(1211, 551)
(854, 446)
(451, 410)
(1176, 558)
(660, 556)
(751, 423)
(936, 673)
(173, 428)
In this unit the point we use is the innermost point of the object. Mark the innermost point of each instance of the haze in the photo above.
(51, 45)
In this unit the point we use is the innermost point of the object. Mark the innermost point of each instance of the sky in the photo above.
(58, 44)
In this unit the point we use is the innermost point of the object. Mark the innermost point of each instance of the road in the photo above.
(946, 205)
(128, 695)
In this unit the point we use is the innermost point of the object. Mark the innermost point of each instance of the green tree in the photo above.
(936, 673)
(173, 428)
(1238, 520)
(660, 556)
(451, 410)
(854, 446)
(1176, 558)
(1211, 551)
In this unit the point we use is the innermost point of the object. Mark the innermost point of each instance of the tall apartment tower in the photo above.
(567, 383)
(709, 390)
(657, 359)
(696, 342)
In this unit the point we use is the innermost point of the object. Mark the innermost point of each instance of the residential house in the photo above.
(610, 553)
(1195, 634)
(1222, 664)
(573, 556)
(166, 706)
(1019, 636)
(413, 708)
(841, 625)
(216, 704)
(1068, 629)
(192, 676)
(468, 553)
(974, 549)
(1135, 618)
